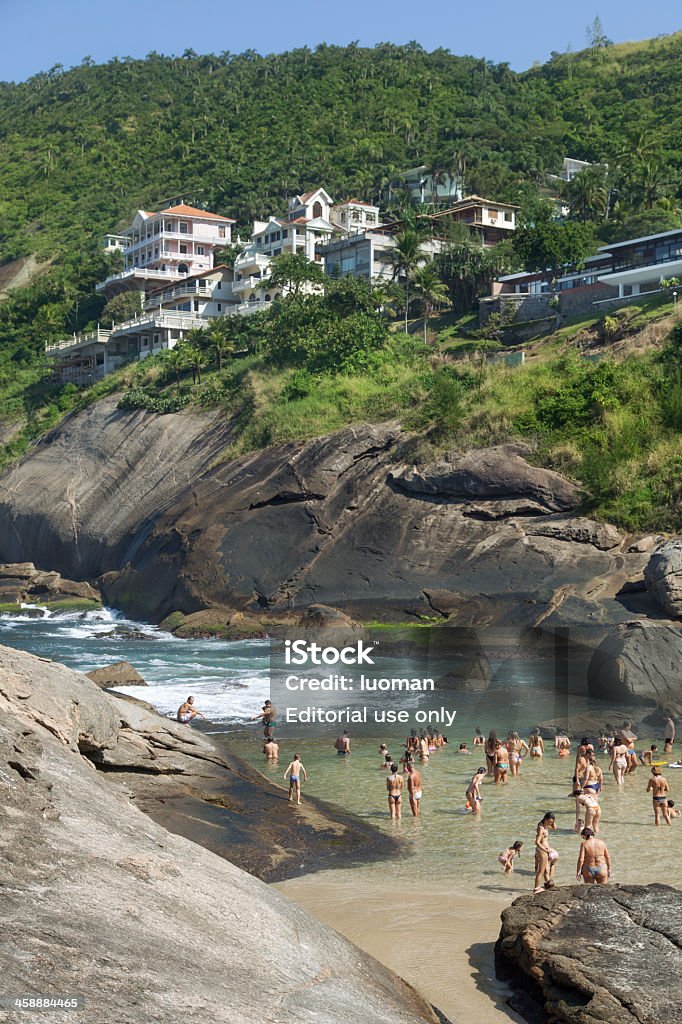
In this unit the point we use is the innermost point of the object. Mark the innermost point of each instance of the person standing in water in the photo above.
(619, 761)
(270, 749)
(479, 741)
(490, 747)
(501, 762)
(342, 744)
(536, 745)
(545, 857)
(473, 796)
(594, 862)
(296, 769)
(659, 789)
(668, 735)
(516, 747)
(394, 785)
(268, 714)
(414, 789)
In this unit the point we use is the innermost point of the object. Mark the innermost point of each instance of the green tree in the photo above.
(404, 258)
(430, 290)
(587, 194)
(122, 307)
(222, 334)
(553, 246)
(292, 272)
(195, 360)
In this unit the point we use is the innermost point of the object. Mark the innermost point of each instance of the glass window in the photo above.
(169, 225)
(183, 228)
(200, 250)
(183, 248)
(220, 307)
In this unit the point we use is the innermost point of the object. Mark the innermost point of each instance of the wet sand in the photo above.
(440, 942)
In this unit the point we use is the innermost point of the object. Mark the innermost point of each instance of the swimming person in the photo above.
(342, 744)
(270, 748)
(545, 857)
(594, 862)
(473, 797)
(414, 789)
(187, 712)
(463, 749)
(394, 785)
(506, 858)
(672, 810)
(659, 789)
(296, 769)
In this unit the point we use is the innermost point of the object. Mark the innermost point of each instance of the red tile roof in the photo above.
(308, 195)
(357, 202)
(191, 211)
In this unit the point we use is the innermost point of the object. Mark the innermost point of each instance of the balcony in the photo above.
(251, 261)
(138, 273)
(78, 341)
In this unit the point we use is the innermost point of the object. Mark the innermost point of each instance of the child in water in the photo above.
(506, 858)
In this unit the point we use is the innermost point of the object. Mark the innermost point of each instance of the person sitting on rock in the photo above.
(187, 712)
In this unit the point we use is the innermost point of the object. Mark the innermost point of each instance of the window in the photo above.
(169, 225)
(196, 305)
(157, 227)
(508, 218)
(627, 289)
(277, 252)
(156, 250)
(183, 248)
(285, 234)
(267, 297)
(221, 232)
(157, 338)
(184, 229)
(317, 209)
(220, 307)
(200, 250)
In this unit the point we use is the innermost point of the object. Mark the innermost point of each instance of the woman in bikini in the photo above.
(394, 785)
(473, 797)
(501, 763)
(536, 745)
(585, 800)
(593, 777)
(490, 747)
(506, 858)
(594, 862)
(516, 747)
(478, 738)
(545, 856)
(619, 762)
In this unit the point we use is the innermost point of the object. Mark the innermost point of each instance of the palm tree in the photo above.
(405, 258)
(196, 361)
(588, 194)
(221, 338)
(176, 361)
(430, 290)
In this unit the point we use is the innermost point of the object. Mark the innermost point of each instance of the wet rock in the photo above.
(604, 954)
(114, 920)
(663, 576)
(640, 663)
(21, 582)
(121, 673)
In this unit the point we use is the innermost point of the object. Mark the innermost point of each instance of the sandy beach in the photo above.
(440, 942)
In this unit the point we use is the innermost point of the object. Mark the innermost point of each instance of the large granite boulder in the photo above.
(100, 900)
(22, 582)
(639, 662)
(594, 955)
(120, 673)
(663, 577)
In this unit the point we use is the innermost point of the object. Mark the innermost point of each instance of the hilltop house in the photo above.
(619, 273)
(166, 246)
(488, 222)
(306, 225)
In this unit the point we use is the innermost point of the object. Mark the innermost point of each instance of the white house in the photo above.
(354, 215)
(166, 246)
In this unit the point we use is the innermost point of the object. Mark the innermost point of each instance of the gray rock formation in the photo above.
(139, 500)
(120, 673)
(22, 582)
(598, 954)
(99, 900)
(640, 663)
(663, 577)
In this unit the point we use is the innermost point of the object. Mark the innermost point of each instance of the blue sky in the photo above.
(36, 34)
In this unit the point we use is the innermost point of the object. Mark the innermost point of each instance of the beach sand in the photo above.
(440, 942)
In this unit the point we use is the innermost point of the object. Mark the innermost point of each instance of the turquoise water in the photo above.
(230, 680)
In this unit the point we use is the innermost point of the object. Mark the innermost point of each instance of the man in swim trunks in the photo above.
(594, 862)
(271, 749)
(474, 799)
(394, 785)
(296, 769)
(414, 789)
(269, 715)
(659, 789)
(187, 712)
(342, 744)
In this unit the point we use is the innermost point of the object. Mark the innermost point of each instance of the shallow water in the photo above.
(230, 680)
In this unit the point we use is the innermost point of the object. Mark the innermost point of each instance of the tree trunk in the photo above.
(407, 301)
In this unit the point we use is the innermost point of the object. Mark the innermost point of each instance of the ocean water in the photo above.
(447, 846)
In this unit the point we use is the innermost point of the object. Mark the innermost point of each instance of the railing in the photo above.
(643, 262)
(190, 288)
(244, 308)
(90, 338)
(168, 318)
(143, 272)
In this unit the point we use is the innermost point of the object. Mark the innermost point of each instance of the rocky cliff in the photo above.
(595, 955)
(345, 520)
(100, 901)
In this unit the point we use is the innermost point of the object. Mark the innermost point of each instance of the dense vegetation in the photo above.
(83, 148)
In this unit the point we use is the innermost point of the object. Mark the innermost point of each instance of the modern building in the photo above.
(207, 294)
(619, 273)
(306, 225)
(165, 246)
(367, 254)
(488, 222)
(570, 168)
(425, 186)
